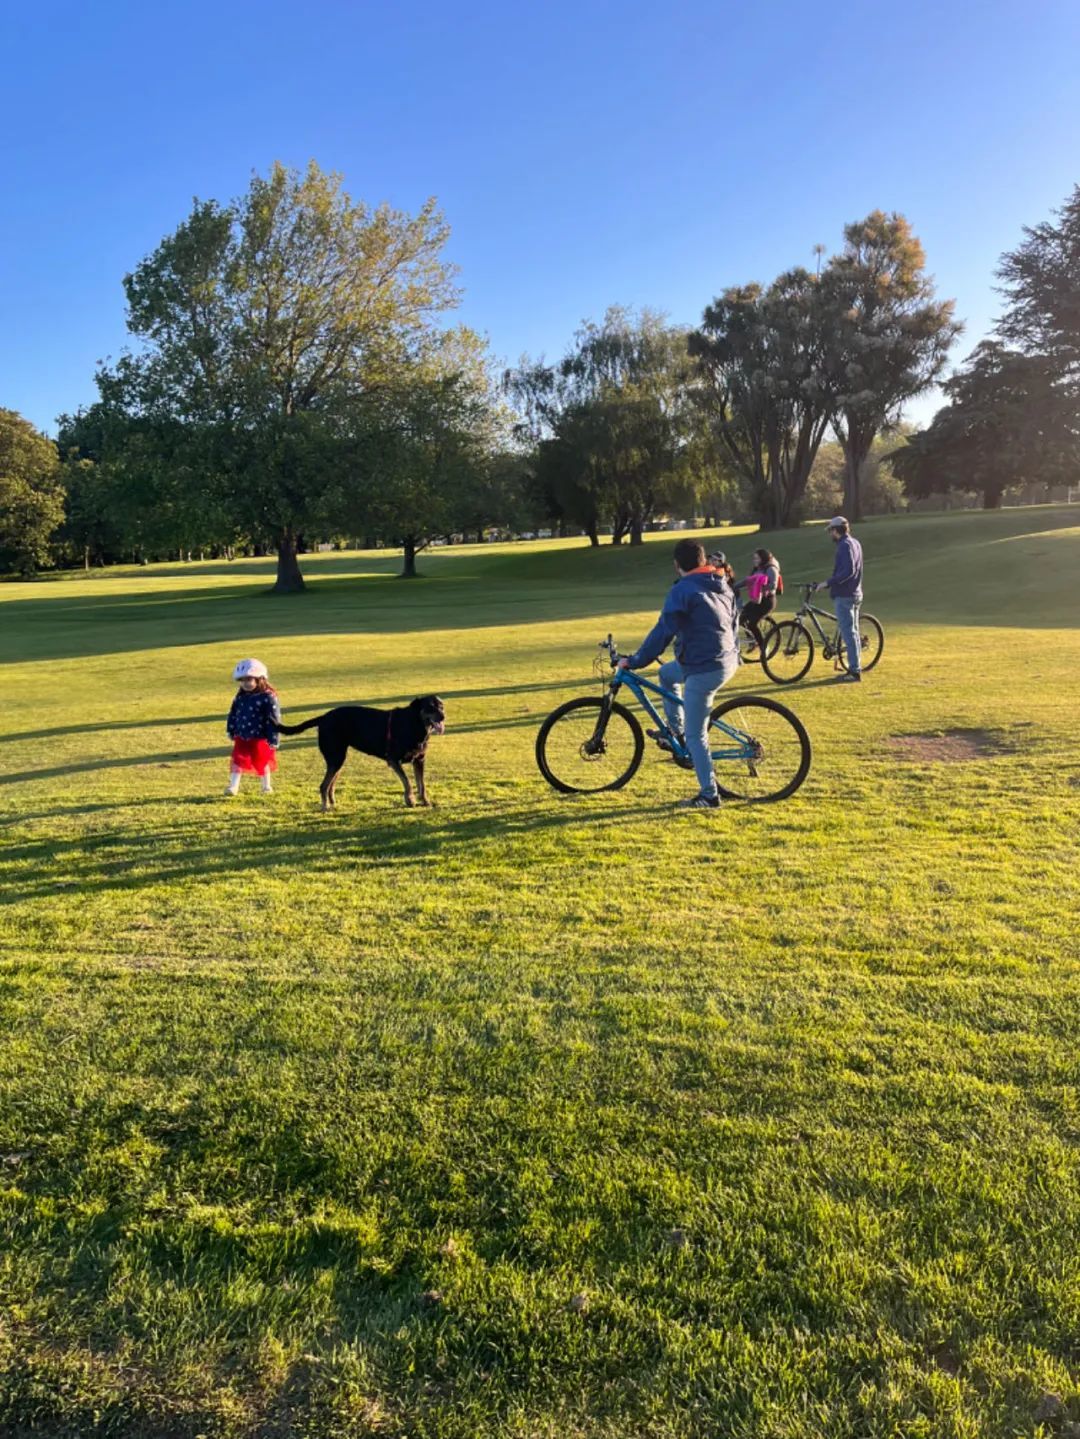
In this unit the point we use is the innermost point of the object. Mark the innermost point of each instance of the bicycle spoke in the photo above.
(790, 653)
(760, 749)
(578, 755)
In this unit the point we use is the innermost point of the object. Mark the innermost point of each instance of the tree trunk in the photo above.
(479, 537)
(852, 489)
(86, 557)
(593, 533)
(992, 499)
(408, 567)
(289, 579)
(637, 530)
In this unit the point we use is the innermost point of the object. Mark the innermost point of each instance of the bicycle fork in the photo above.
(594, 745)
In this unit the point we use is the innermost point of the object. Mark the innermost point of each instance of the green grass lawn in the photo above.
(533, 1116)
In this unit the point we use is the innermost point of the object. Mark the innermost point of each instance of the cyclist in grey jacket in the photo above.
(699, 615)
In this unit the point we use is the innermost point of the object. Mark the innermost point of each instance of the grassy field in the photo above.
(525, 1115)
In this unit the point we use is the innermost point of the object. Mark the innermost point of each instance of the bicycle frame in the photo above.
(811, 612)
(638, 684)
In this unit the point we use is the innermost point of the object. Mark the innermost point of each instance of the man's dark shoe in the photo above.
(662, 740)
(700, 801)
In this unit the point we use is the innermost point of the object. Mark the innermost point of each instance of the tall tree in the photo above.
(885, 336)
(31, 497)
(420, 445)
(1041, 280)
(611, 421)
(760, 359)
(1010, 420)
(261, 321)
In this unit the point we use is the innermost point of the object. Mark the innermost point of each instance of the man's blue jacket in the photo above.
(700, 614)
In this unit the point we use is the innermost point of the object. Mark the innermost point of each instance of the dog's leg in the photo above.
(326, 793)
(335, 763)
(421, 792)
(326, 789)
(404, 778)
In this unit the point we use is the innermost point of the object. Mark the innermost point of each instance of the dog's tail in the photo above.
(299, 728)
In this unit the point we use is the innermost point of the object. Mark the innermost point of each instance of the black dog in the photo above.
(397, 736)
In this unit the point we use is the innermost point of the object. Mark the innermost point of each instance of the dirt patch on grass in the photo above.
(951, 746)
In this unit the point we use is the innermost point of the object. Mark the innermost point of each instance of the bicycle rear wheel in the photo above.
(589, 745)
(871, 643)
(749, 650)
(789, 654)
(761, 751)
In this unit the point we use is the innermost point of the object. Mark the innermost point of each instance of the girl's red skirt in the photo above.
(253, 756)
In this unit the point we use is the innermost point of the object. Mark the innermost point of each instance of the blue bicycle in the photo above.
(760, 750)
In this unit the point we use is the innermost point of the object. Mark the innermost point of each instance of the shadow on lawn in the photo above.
(313, 844)
(911, 567)
(294, 713)
(170, 758)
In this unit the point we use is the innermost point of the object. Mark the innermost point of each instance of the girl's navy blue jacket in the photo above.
(255, 714)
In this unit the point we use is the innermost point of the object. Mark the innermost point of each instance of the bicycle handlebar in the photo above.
(612, 649)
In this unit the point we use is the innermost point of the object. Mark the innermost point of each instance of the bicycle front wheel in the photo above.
(761, 751)
(589, 745)
(789, 653)
(871, 643)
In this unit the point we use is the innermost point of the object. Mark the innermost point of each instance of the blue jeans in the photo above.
(692, 718)
(847, 617)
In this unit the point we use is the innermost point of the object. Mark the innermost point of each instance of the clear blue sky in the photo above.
(585, 153)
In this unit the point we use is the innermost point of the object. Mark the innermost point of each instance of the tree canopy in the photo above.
(1008, 421)
(262, 323)
(31, 497)
(886, 337)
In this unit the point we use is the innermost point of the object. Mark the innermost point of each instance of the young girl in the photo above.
(762, 585)
(252, 726)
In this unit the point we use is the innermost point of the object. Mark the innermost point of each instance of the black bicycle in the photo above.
(789, 651)
(760, 750)
(747, 645)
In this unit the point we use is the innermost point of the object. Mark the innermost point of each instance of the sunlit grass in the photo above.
(532, 1116)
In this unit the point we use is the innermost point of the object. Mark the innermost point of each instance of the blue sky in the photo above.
(584, 153)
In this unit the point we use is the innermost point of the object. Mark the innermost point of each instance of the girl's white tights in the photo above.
(235, 775)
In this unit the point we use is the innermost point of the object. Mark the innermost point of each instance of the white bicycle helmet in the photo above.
(251, 670)
(838, 522)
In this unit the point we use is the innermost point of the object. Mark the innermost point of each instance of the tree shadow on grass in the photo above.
(292, 715)
(169, 759)
(316, 844)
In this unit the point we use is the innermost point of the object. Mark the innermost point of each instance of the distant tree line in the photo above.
(293, 379)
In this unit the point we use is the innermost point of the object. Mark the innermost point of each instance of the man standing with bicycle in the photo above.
(845, 587)
(699, 614)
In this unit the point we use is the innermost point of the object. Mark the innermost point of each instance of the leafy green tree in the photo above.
(1041, 280)
(760, 360)
(885, 337)
(31, 496)
(565, 438)
(612, 423)
(1010, 420)
(880, 489)
(421, 444)
(261, 323)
